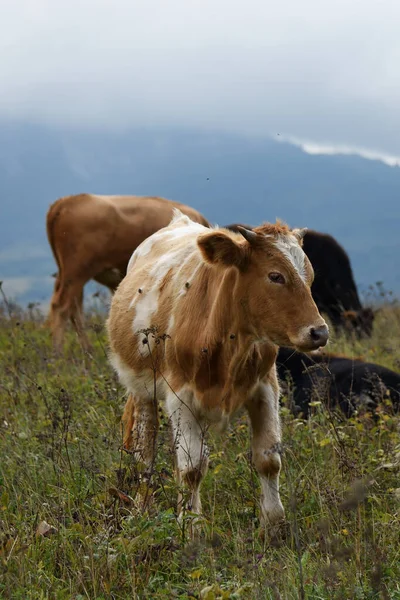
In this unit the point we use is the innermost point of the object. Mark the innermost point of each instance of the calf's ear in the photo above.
(220, 248)
(299, 234)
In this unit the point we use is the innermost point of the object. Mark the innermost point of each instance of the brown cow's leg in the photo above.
(263, 410)
(58, 318)
(65, 304)
(78, 322)
(191, 450)
(48, 320)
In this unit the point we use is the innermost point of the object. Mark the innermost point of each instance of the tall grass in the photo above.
(73, 523)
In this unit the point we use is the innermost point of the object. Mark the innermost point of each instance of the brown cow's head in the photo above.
(273, 286)
(359, 322)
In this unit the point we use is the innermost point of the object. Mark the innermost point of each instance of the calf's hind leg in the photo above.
(140, 428)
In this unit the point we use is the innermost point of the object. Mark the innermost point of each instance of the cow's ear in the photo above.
(220, 248)
(299, 234)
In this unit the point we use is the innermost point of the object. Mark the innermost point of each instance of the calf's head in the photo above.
(272, 289)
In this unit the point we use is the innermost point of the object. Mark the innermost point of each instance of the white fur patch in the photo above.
(145, 306)
(171, 324)
(139, 384)
(146, 303)
(188, 429)
(178, 215)
(125, 374)
(182, 226)
(290, 248)
(143, 249)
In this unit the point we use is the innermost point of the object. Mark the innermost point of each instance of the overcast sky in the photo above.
(316, 70)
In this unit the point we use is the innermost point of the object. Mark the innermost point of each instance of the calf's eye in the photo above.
(276, 277)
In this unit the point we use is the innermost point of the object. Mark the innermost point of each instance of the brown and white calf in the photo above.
(197, 322)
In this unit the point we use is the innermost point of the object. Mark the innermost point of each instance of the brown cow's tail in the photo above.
(51, 219)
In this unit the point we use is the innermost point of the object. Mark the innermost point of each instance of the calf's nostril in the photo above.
(315, 334)
(319, 334)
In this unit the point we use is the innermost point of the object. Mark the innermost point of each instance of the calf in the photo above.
(196, 322)
(335, 381)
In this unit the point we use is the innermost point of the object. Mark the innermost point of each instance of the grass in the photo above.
(72, 525)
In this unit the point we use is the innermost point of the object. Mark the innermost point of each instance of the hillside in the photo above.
(76, 522)
(229, 178)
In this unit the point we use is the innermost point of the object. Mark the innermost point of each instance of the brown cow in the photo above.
(197, 322)
(93, 237)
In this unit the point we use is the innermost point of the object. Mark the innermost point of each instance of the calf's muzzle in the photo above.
(318, 336)
(311, 337)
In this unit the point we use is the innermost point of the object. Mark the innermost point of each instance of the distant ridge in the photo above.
(230, 178)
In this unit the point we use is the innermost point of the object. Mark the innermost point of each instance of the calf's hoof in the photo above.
(274, 535)
(273, 526)
(192, 524)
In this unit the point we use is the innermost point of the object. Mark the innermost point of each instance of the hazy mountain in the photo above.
(228, 178)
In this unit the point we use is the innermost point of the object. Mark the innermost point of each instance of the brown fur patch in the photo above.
(193, 477)
(278, 228)
(269, 465)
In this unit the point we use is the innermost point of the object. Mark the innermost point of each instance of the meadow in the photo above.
(77, 522)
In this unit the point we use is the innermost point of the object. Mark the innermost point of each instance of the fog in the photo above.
(315, 70)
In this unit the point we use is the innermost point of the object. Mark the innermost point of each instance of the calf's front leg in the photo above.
(263, 409)
(190, 448)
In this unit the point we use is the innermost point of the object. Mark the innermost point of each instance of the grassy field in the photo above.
(72, 520)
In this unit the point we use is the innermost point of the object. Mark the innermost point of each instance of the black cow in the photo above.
(334, 289)
(335, 381)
